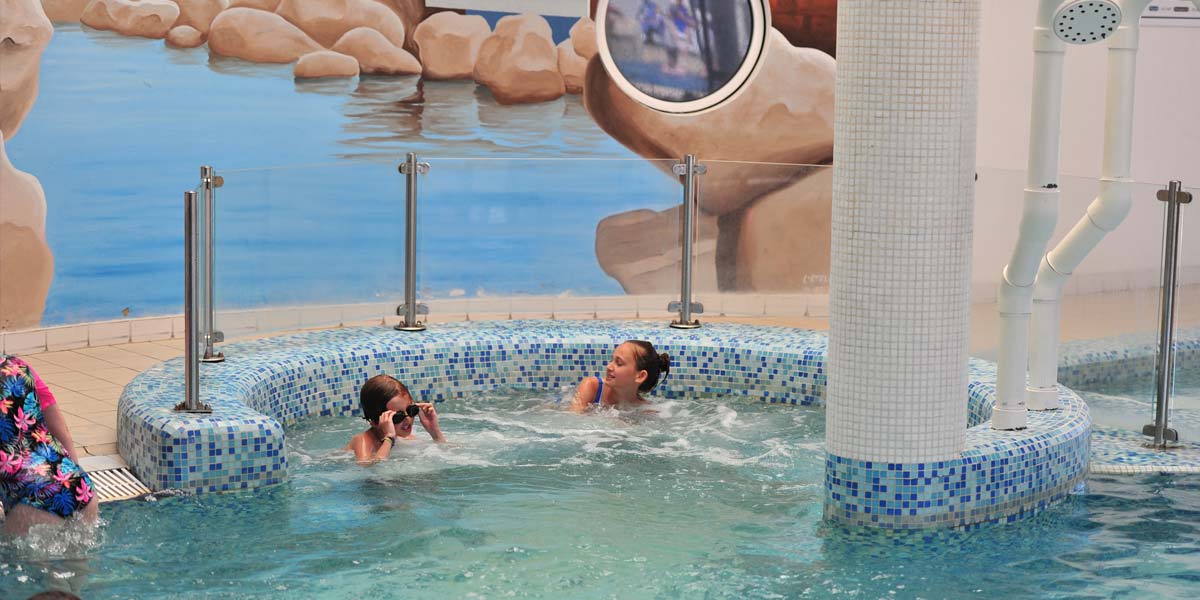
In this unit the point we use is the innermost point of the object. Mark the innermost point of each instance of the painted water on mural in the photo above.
(122, 125)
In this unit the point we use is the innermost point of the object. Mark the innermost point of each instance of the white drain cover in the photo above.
(117, 484)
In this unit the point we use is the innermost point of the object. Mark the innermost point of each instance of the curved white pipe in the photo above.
(1038, 218)
(1104, 214)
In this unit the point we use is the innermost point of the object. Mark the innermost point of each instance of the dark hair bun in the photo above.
(664, 363)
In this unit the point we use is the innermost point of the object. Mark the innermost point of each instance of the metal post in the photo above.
(688, 169)
(209, 181)
(191, 336)
(410, 309)
(1164, 369)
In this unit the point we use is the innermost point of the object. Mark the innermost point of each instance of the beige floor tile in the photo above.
(153, 350)
(170, 344)
(68, 380)
(94, 434)
(73, 360)
(76, 421)
(110, 393)
(117, 375)
(77, 403)
(107, 418)
(44, 367)
(100, 449)
(137, 362)
(110, 354)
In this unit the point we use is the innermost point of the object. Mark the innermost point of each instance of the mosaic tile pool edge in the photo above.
(271, 382)
(266, 384)
(1001, 477)
(1086, 363)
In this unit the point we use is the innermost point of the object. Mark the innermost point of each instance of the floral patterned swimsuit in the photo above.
(34, 470)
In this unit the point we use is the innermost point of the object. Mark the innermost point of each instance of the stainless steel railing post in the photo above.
(411, 168)
(209, 182)
(1164, 369)
(191, 289)
(689, 170)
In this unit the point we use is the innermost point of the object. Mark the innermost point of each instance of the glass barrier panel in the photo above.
(308, 246)
(1110, 308)
(762, 252)
(1184, 405)
(547, 238)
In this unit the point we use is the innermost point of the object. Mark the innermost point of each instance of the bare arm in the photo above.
(56, 424)
(364, 454)
(585, 394)
(429, 420)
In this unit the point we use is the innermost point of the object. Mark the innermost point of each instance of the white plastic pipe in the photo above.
(1038, 218)
(1104, 214)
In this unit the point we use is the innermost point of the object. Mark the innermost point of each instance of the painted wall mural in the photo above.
(546, 178)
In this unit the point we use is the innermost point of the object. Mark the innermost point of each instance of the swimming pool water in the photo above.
(707, 498)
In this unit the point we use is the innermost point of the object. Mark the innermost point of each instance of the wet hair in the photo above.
(652, 363)
(375, 394)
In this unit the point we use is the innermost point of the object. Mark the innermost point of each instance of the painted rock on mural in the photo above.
(641, 250)
(185, 36)
(793, 93)
(199, 14)
(267, 5)
(519, 62)
(572, 67)
(328, 20)
(583, 38)
(326, 63)
(783, 242)
(411, 13)
(29, 31)
(258, 36)
(140, 18)
(64, 11)
(449, 44)
(375, 54)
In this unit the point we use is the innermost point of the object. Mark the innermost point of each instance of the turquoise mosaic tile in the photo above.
(1089, 363)
(266, 384)
(1118, 451)
(1003, 476)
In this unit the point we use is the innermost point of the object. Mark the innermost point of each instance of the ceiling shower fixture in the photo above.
(1086, 21)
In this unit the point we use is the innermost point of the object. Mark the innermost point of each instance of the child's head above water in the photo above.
(636, 362)
(377, 392)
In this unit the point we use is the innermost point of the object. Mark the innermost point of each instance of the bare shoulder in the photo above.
(356, 442)
(584, 394)
(589, 384)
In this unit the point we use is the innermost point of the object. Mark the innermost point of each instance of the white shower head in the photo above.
(1087, 21)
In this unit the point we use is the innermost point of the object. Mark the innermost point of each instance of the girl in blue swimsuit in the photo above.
(635, 368)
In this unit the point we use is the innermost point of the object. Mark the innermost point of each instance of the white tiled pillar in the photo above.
(904, 163)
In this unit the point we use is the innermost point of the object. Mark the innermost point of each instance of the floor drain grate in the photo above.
(117, 484)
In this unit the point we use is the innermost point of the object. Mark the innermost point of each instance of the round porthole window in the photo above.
(682, 56)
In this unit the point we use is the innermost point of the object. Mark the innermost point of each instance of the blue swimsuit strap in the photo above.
(599, 390)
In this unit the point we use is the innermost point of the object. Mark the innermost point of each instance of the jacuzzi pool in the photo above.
(723, 492)
(712, 498)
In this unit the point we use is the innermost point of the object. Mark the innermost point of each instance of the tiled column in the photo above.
(904, 163)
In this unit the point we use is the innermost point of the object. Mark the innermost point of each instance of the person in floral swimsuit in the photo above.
(40, 481)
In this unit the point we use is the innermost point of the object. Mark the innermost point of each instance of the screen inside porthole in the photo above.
(681, 55)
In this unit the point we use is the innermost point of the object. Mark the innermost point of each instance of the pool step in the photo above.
(112, 479)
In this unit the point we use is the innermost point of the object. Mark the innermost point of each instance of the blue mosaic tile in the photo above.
(1003, 476)
(264, 385)
(1091, 363)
